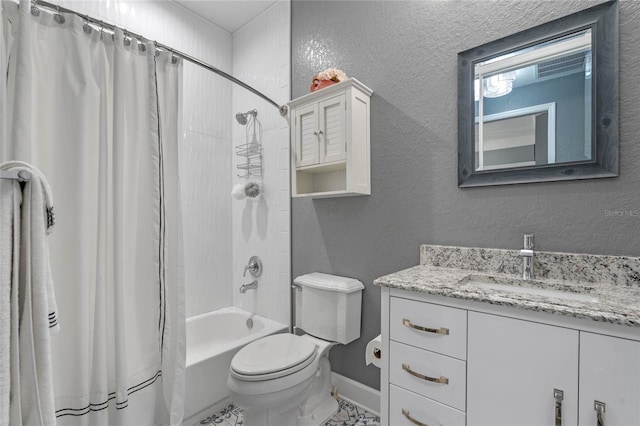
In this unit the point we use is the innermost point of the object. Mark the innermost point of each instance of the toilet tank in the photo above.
(329, 306)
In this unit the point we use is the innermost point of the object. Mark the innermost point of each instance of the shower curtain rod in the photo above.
(284, 109)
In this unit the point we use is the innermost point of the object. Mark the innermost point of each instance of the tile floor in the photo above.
(348, 415)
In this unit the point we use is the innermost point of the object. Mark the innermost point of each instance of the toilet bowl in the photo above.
(285, 379)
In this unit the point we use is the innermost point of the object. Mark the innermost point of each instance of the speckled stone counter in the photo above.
(610, 284)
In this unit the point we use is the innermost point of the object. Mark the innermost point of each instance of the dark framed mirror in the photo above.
(541, 105)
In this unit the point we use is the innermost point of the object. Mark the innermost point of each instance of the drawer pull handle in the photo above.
(442, 380)
(440, 330)
(411, 419)
(559, 396)
(600, 409)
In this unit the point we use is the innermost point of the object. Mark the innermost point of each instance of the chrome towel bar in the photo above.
(21, 175)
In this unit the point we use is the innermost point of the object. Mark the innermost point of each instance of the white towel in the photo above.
(48, 194)
(10, 197)
(237, 191)
(32, 306)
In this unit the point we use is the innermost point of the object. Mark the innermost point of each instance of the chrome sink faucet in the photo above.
(527, 257)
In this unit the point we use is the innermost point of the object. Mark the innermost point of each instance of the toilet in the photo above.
(285, 379)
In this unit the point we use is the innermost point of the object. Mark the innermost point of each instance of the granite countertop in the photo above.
(601, 300)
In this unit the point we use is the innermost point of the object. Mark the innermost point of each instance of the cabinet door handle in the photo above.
(600, 409)
(559, 396)
(411, 419)
(440, 330)
(315, 133)
(442, 380)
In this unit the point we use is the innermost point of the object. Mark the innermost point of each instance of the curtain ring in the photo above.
(34, 8)
(126, 41)
(58, 16)
(86, 27)
(101, 29)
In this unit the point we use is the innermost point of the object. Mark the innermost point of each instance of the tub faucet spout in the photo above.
(251, 285)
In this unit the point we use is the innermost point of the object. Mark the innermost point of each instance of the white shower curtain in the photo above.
(99, 116)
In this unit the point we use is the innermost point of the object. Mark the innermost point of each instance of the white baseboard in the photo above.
(357, 393)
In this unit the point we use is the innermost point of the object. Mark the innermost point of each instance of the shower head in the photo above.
(243, 117)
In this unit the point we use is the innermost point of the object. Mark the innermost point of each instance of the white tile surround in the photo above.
(221, 235)
(261, 59)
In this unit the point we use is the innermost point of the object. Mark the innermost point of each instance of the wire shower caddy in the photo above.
(251, 150)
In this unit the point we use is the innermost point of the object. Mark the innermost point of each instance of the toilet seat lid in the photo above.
(272, 354)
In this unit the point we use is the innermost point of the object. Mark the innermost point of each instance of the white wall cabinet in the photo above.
(330, 141)
(476, 364)
(320, 136)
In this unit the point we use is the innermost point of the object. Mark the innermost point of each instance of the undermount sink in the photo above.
(531, 287)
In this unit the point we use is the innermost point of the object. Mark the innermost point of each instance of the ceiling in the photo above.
(229, 15)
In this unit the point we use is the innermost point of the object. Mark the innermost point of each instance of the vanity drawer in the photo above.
(433, 327)
(435, 376)
(404, 403)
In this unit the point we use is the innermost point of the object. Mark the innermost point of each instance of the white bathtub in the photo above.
(212, 341)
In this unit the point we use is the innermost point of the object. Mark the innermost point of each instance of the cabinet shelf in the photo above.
(324, 167)
(330, 140)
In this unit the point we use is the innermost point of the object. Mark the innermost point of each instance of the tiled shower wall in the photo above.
(261, 58)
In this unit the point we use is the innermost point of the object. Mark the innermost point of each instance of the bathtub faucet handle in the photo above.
(254, 267)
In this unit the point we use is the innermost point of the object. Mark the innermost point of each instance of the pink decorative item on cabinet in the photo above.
(327, 78)
(320, 84)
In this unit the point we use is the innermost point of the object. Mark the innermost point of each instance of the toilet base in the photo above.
(322, 414)
(286, 417)
(290, 415)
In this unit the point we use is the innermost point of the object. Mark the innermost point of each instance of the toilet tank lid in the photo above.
(329, 282)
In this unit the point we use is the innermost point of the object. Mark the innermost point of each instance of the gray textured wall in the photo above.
(406, 52)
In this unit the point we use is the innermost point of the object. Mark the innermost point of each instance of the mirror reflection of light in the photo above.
(499, 84)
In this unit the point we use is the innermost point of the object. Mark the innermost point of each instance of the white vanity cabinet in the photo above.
(516, 369)
(477, 364)
(426, 369)
(330, 141)
(609, 375)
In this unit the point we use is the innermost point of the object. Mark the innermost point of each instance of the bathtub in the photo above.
(212, 341)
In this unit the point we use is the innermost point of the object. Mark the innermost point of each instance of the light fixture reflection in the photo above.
(499, 84)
